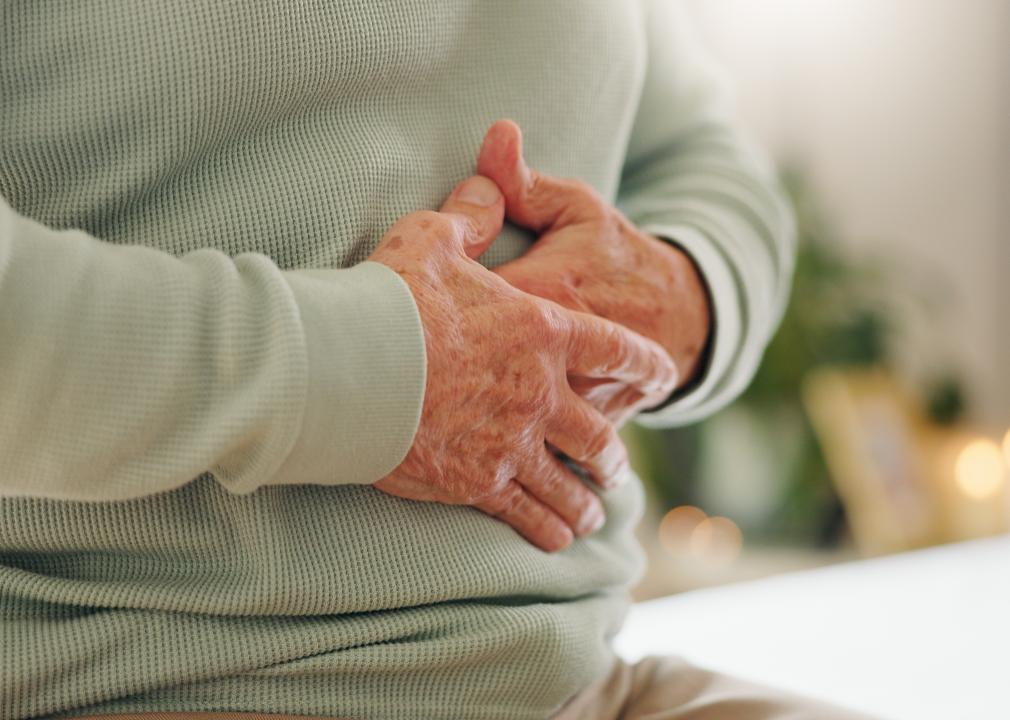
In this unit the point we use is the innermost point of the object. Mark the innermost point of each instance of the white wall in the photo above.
(900, 112)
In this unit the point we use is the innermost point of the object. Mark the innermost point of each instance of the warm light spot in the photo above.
(717, 540)
(1006, 447)
(979, 469)
(676, 527)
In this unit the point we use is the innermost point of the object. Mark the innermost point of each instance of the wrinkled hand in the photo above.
(497, 389)
(589, 257)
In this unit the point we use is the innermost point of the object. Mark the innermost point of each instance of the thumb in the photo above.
(533, 200)
(480, 203)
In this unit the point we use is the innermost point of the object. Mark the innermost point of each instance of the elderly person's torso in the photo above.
(303, 133)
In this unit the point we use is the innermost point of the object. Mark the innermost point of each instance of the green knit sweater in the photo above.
(200, 377)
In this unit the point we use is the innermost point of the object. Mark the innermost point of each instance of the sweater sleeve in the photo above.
(692, 179)
(126, 371)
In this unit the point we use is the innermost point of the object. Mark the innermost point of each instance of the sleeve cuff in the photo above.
(727, 329)
(366, 375)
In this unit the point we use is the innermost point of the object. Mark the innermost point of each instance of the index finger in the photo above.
(600, 348)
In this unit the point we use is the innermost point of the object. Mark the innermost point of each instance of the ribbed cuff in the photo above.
(366, 375)
(727, 327)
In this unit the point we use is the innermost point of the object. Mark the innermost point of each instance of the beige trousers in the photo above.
(656, 688)
(669, 688)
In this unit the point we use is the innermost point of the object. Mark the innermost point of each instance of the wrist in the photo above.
(687, 334)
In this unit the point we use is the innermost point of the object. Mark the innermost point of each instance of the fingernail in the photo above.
(478, 191)
(591, 521)
(614, 465)
(562, 539)
(663, 387)
(619, 476)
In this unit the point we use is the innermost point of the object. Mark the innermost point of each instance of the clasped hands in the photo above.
(548, 353)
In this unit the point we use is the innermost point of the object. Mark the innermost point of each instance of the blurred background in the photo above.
(880, 419)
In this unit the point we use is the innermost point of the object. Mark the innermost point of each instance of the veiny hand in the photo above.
(497, 389)
(589, 257)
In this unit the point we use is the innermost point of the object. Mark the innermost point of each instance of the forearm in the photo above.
(691, 178)
(127, 371)
(729, 217)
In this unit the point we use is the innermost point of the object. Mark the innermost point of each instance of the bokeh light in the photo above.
(717, 540)
(687, 532)
(677, 526)
(980, 469)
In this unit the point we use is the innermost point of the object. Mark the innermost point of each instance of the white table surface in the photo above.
(915, 636)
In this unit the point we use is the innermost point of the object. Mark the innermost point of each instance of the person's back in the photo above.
(301, 133)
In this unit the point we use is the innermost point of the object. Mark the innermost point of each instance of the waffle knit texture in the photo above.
(200, 374)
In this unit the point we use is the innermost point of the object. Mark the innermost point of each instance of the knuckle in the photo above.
(468, 226)
(590, 196)
(508, 501)
(550, 477)
(619, 347)
(555, 406)
(602, 341)
(539, 317)
(598, 441)
(537, 184)
(486, 490)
